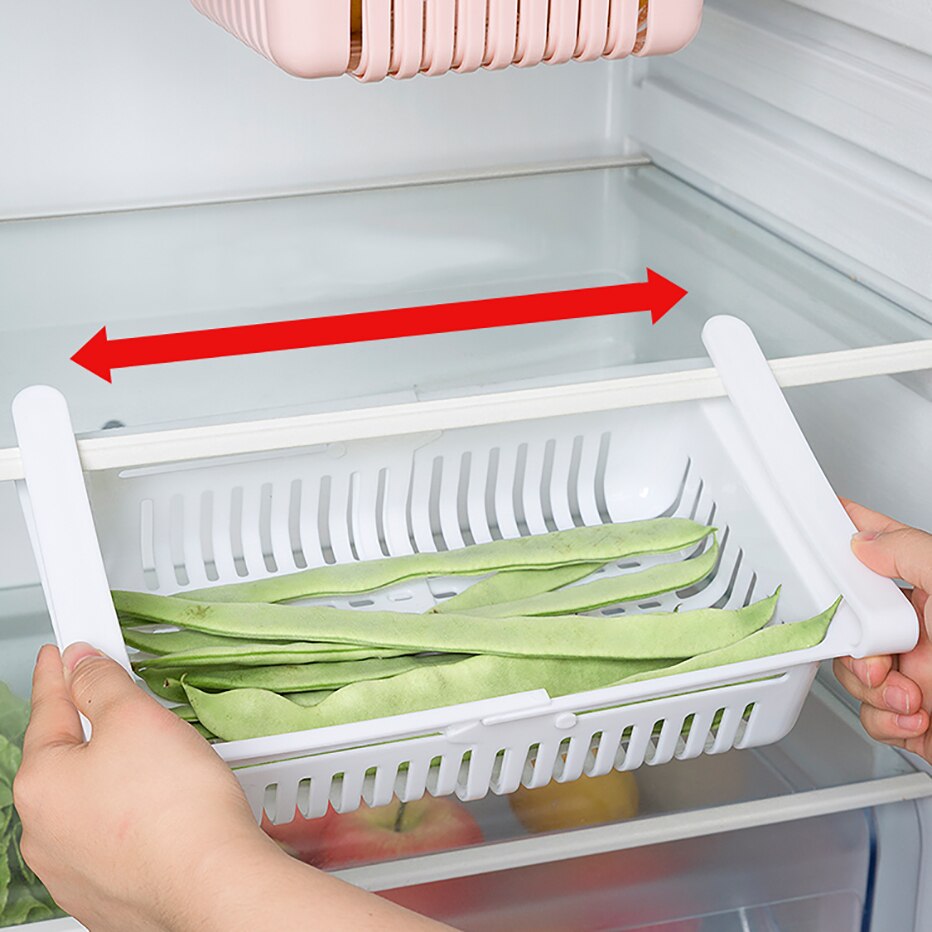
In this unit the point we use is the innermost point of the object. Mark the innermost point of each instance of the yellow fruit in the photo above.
(586, 801)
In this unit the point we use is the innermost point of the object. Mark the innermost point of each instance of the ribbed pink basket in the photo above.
(402, 38)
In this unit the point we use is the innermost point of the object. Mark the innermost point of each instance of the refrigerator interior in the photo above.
(779, 169)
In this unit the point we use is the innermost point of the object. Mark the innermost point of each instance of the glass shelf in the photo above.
(183, 268)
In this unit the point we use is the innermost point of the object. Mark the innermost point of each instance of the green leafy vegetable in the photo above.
(22, 896)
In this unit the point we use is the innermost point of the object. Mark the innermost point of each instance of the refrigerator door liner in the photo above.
(738, 462)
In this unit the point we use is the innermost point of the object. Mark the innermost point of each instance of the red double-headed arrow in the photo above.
(101, 355)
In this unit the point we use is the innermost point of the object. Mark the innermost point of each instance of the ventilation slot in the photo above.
(595, 743)
(546, 479)
(642, 27)
(517, 491)
(656, 734)
(601, 468)
(707, 581)
(685, 732)
(572, 485)
(270, 801)
(744, 724)
(323, 520)
(294, 524)
(409, 514)
(462, 499)
(559, 766)
(352, 494)
(725, 597)
(265, 527)
(530, 761)
(624, 743)
(443, 774)
(695, 509)
(303, 800)
(680, 492)
(433, 504)
(614, 610)
(497, 766)
(176, 539)
(490, 483)
(207, 536)
(714, 729)
(380, 498)
(147, 543)
(236, 531)
(335, 796)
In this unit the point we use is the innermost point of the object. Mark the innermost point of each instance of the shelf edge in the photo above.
(564, 846)
(192, 443)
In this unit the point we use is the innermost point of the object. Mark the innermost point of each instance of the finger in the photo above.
(919, 598)
(892, 728)
(904, 553)
(53, 720)
(895, 693)
(866, 520)
(870, 672)
(99, 686)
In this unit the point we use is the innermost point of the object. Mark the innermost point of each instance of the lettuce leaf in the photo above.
(22, 896)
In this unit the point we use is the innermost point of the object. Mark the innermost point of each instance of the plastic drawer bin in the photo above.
(359, 487)
(796, 877)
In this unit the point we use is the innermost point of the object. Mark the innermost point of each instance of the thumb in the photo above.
(98, 684)
(904, 553)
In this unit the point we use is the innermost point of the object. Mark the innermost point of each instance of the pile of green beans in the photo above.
(241, 663)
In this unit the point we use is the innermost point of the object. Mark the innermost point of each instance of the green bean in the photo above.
(294, 678)
(185, 712)
(660, 634)
(251, 713)
(774, 639)
(598, 544)
(308, 699)
(163, 685)
(167, 642)
(508, 585)
(262, 654)
(628, 587)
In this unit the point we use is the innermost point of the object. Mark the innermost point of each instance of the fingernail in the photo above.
(864, 536)
(77, 652)
(45, 648)
(896, 699)
(909, 722)
(862, 670)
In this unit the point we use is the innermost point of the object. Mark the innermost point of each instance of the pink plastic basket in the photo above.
(374, 39)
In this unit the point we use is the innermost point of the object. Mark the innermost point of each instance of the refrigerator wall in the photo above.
(160, 176)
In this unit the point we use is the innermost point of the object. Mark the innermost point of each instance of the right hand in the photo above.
(895, 692)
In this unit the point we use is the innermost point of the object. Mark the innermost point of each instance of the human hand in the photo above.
(125, 829)
(895, 692)
(145, 828)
